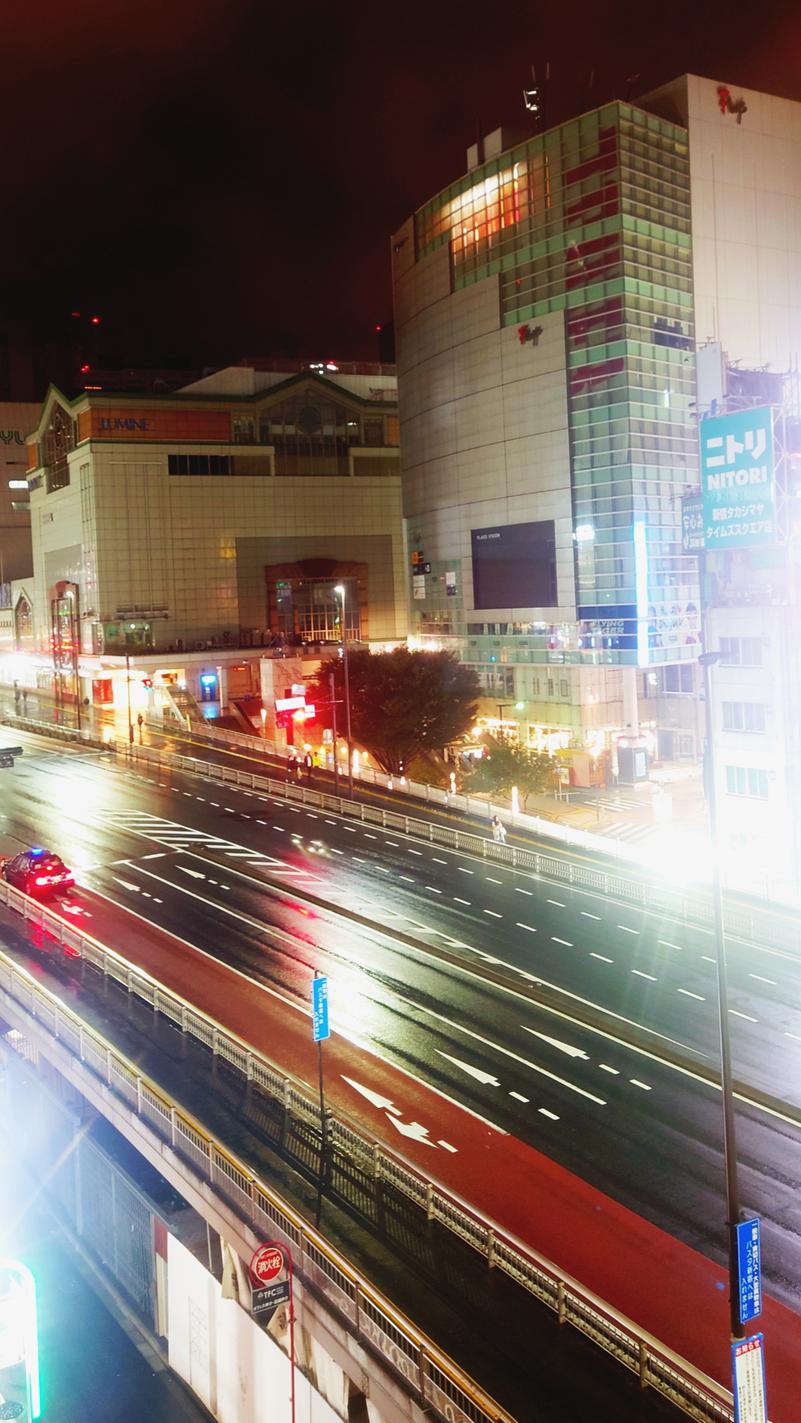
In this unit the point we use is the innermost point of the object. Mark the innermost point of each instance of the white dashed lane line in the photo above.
(393, 843)
(557, 902)
(586, 915)
(490, 880)
(735, 1014)
(668, 945)
(408, 878)
(639, 974)
(529, 892)
(635, 1082)
(432, 890)
(604, 1066)
(761, 979)
(438, 861)
(627, 930)
(368, 836)
(602, 957)
(566, 942)
(492, 913)
(418, 853)
(518, 1096)
(688, 994)
(457, 900)
(463, 871)
(543, 1111)
(530, 927)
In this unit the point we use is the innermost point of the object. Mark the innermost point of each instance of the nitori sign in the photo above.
(737, 479)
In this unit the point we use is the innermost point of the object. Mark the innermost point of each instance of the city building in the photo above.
(548, 307)
(17, 419)
(193, 530)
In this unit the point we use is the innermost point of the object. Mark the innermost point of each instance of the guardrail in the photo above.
(760, 925)
(438, 1380)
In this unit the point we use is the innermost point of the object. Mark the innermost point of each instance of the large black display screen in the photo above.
(514, 566)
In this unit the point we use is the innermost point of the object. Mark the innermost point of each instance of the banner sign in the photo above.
(750, 1397)
(737, 479)
(692, 523)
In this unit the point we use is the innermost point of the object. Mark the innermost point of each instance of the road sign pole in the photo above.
(320, 1030)
(268, 1261)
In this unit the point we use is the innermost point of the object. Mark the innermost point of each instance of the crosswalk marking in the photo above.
(183, 837)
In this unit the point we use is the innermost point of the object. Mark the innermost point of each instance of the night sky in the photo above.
(222, 179)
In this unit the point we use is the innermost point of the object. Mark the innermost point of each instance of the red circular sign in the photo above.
(267, 1263)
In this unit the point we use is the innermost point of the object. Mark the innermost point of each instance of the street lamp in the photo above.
(340, 592)
(128, 687)
(707, 661)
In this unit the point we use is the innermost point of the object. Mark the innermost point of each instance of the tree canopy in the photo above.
(506, 764)
(402, 702)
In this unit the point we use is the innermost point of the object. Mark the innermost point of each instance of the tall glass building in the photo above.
(546, 319)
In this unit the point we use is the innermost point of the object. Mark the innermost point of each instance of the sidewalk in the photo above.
(627, 814)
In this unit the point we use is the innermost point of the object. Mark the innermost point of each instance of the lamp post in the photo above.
(332, 694)
(340, 592)
(707, 661)
(128, 689)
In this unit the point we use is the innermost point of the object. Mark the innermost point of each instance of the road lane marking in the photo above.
(640, 974)
(507, 1052)
(761, 979)
(518, 1096)
(604, 1066)
(566, 942)
(433, 890)
(487, 1079)
(447, 1146)
(635, 1082)
(585, 914)
(529, 892)
(530, 927)
(545, 1113)
(463, 871)
(393, 843)
(705, 958)
(492, 913)
(457, 900)
(157, 855)
(627, 930)
(437, 861)
(602, 957)
(688, 994)
(408, 878)
(490, 880)
(564, 1047)
(736, 1014)
(557, 902)
(668, 945)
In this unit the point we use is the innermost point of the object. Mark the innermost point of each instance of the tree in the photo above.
(506, 764)
(401, 702)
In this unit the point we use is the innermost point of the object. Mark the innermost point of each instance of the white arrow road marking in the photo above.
(480, 1076)
(415, 1130)
(557, 1042)
(196, 874)
(374, 1097)
(126, 884)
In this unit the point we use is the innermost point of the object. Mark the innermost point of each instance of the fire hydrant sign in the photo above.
(750, 1399)
(267, 1264)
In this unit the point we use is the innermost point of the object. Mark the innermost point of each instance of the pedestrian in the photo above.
(498, 830)
(308, 762)
(291, 767)
(140, 721)
(24, 702)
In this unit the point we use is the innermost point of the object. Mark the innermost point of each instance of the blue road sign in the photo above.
(749, 1269)
(320, 1025)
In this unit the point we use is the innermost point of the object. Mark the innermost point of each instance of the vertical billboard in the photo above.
(737, 479)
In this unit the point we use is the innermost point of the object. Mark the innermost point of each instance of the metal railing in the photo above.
(762, 925)
(440, 1383)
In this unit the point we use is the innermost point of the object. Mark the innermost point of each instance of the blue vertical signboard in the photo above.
(748, 1368)
(749, 1269)
(737, 479)
(320, 1027)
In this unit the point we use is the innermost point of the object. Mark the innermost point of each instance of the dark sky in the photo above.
(222, 178)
